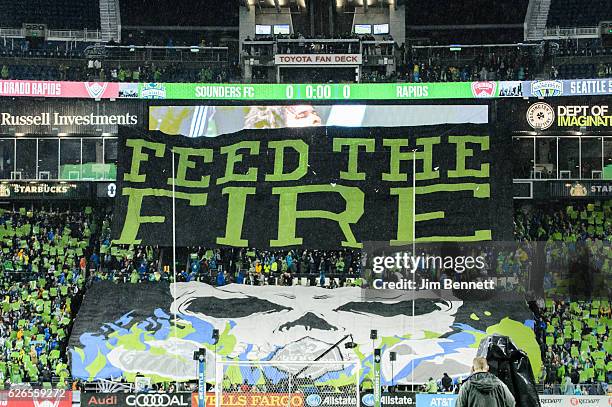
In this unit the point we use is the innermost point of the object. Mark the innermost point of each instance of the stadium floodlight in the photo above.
(392, 358)
(200, 355)
(350, 344)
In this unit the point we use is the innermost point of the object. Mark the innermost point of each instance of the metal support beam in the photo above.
(277, 5)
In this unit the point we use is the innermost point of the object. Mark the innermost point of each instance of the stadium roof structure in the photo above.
(301, 4)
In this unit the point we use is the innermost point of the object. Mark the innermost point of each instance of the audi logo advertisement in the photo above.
(158, 400)
(136, 400)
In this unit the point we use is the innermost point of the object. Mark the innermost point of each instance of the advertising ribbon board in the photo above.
(575, 401)
(29, 397)
(136, 399)
(436, 400)
(320, 91)
(376, 381)
(59, 89)
(387, 399)
(253, 400)
(568, 87)
(202, 383)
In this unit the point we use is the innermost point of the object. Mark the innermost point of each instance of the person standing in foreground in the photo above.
(483, 389)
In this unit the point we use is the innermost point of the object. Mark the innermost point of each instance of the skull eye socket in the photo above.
(421, 307)
(233, 308)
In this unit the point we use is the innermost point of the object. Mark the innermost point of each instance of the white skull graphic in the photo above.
(300, 323)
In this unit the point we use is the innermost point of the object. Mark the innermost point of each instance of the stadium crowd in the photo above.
(49, 257)
(575, 341)
(573, 324)
(21, 59)
(498, 64)
(93, 71)
(41, 286)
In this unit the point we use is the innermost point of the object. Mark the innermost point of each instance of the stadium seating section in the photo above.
(440, 12)
(47, 255)
(43, 275)
(172, 13)
(50, 256)
(578, 13)
(575, 342)
(57, 14)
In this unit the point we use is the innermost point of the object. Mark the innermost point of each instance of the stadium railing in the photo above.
(164, 53)
(55, 35)
(555, 33)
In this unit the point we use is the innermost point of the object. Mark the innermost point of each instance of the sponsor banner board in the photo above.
(592, 114)
(322, 91)
(581, 189)
(567, 87)
(14, 190)
(575, 401)
(136, 399)
(436, 400)
(253, 400)
(52, 117)
(317, 59)
(406, 399)
(327, 399)
(59, 89)
(29, 397)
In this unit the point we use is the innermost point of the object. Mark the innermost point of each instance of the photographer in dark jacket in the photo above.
(447, 383)
(483, 389)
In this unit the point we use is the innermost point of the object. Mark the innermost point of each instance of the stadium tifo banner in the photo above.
(576, 401)
(51, 117)
(125, 329)
(314, 187)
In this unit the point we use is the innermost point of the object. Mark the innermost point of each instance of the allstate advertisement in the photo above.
(403, 399)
